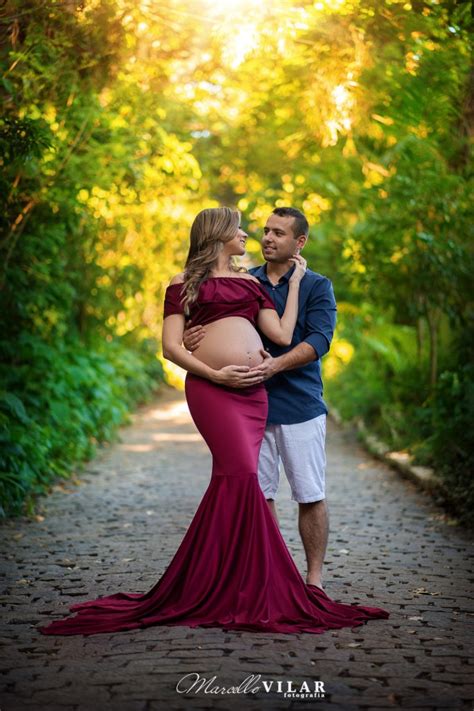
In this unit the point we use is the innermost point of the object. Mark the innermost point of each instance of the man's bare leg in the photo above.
(313, 523)
(273, 511)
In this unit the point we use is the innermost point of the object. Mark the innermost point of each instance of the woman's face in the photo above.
(236, 246)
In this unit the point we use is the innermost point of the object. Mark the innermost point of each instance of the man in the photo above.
(296, 425)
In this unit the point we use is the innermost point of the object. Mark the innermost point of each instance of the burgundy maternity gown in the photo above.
(232, 569)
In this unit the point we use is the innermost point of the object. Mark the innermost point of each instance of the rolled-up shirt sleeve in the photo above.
(320, 317)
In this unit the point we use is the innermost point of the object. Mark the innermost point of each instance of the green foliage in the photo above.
(23, 139)
(385, 386)
(415, 239)
(449, 445)
(73, 363)
(381, 383)
(59, 403)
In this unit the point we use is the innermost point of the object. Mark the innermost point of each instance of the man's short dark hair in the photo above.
(300, 225)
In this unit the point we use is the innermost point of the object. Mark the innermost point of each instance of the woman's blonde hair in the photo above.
(210, 229)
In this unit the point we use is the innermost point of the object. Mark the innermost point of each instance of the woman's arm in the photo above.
(280, 331)
(172, 336)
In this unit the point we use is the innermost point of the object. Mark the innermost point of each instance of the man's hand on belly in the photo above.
(267, 368)
(302, 354)
(192, 337)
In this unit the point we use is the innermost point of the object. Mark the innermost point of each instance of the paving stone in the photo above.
(118, 530)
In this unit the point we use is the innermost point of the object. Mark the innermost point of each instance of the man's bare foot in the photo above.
(316, 582)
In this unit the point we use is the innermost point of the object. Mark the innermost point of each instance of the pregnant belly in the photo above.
(230, 341)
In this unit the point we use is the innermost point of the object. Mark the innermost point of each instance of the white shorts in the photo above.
(301, 448)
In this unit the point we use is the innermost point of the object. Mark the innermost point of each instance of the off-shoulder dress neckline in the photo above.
(219, 277)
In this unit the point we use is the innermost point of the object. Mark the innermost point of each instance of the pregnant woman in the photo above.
(232, 569)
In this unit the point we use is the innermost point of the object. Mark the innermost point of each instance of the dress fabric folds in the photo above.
(232, 569)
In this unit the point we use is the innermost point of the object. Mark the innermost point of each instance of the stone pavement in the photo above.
(118, 529)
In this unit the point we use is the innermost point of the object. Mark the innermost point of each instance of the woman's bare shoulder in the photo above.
(178, 279)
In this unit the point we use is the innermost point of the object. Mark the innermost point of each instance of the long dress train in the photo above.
(232, 569)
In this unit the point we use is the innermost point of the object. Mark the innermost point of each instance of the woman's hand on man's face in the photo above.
(300, 268)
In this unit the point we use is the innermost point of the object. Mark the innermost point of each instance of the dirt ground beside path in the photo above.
(117, 531)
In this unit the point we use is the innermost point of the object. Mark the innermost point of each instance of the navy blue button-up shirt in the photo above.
(297, 395)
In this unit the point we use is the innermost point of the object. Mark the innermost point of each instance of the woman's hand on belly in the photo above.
(236, 376)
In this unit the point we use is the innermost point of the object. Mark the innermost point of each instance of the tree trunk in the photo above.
(465, 128)
(419, 340)
(419, 329)
(432, 316)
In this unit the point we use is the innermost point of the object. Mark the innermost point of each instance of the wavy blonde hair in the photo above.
(210, 230)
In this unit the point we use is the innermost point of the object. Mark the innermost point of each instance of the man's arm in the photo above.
(319, 329)
(321, 314)
(302, 354)
(193, 336)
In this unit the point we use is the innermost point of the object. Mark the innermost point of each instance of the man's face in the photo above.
(278, 242)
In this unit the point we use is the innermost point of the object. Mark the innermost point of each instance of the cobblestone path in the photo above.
(118, 529)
